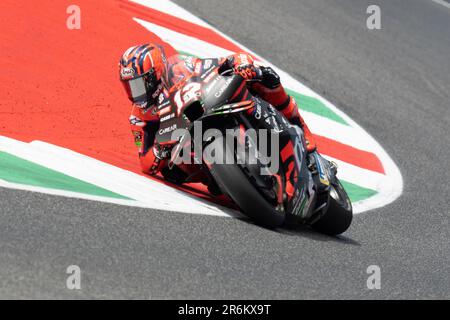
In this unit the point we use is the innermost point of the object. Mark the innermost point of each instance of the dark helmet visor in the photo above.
(142, 89)
(136, 89)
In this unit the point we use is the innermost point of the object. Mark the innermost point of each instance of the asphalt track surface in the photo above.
(394, 82)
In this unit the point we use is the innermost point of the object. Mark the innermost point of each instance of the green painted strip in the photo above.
(17, 170)
(314, 105)
(357, 193)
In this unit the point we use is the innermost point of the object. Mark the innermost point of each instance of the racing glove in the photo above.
(243, 64)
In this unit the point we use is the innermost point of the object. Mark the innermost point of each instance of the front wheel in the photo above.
(233, 181)
(339, 214)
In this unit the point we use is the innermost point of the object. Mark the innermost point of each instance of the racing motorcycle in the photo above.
(304, 188)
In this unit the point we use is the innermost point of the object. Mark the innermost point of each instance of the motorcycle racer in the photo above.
(147, 76)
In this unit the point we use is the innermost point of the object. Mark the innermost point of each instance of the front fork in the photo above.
(323, 172)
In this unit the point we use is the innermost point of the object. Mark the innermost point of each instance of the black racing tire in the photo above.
(232, 180)
(339, 214)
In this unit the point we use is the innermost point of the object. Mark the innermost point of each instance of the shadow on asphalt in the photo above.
(307, 232)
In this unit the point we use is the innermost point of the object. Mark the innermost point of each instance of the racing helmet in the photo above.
(141, 69)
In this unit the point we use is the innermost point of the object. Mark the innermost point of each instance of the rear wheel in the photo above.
(339, 214)
(234, 182)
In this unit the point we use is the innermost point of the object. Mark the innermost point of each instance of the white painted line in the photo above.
(70, 194)
(442, 3)
(170, 8)
(356, 175)
(335, 131)
(145, 192)
(183, 42)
